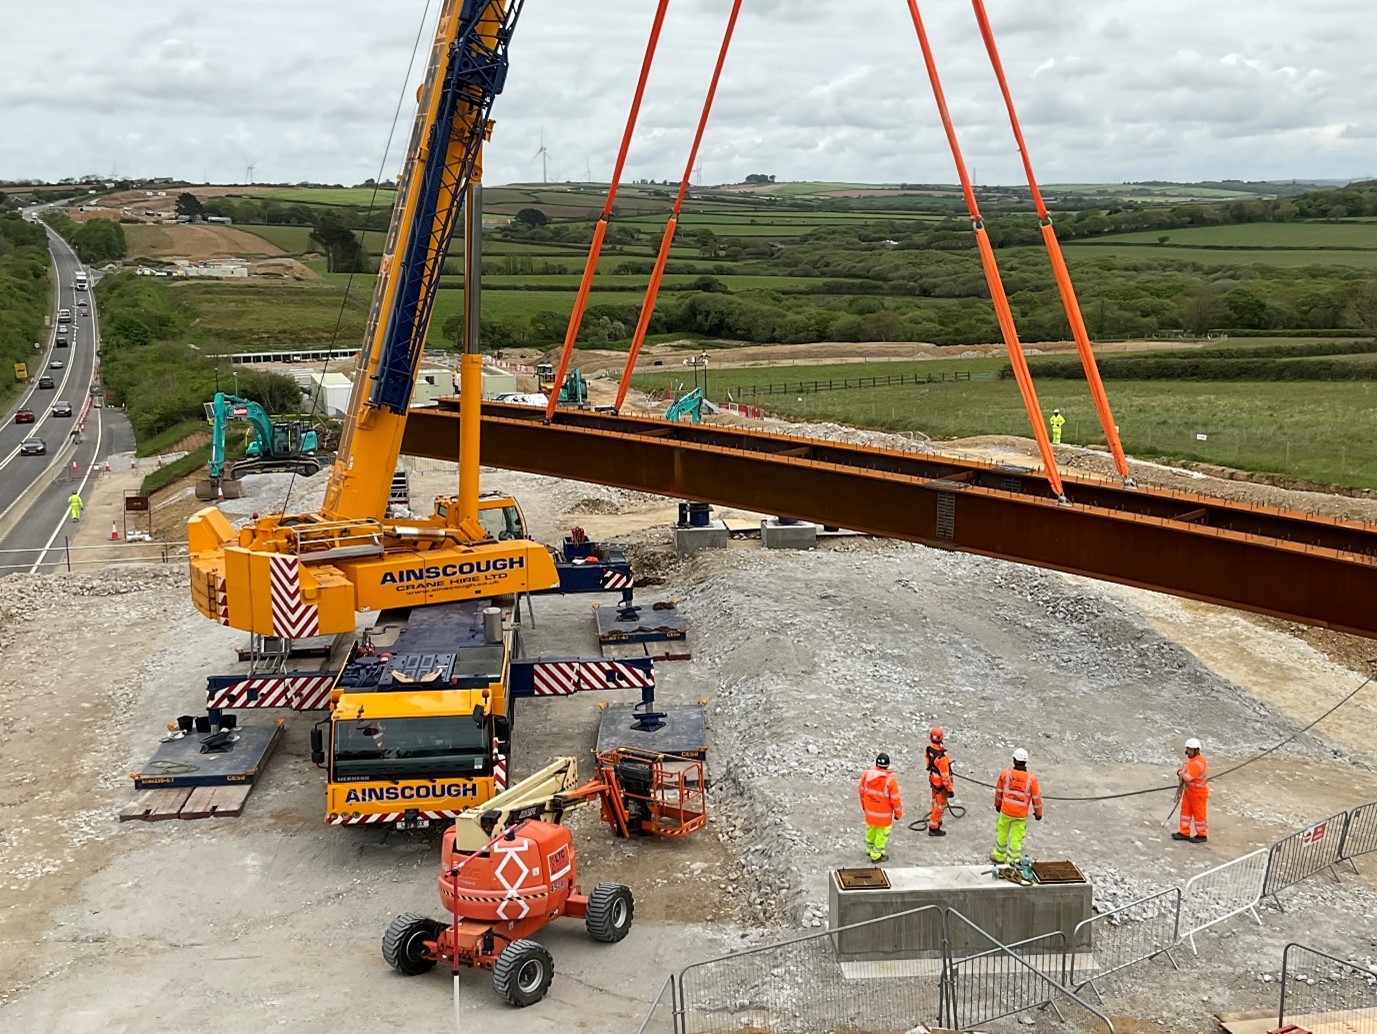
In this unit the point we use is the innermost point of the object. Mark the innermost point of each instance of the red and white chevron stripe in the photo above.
(499, 768)
(616, 580)
(292, 618)
(562, 678)
(302, 693)
(385, 817)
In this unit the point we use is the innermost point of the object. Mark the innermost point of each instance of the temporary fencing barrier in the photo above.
(1133, 933)
(1305, 853)
(1223, 892)
(798, 984)
(661, 1017)
(1360, 834)
(1320, 991)
(1006, 980)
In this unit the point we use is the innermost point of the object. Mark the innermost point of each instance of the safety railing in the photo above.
(67, 558)
(1321, 991)
(1221, 893)
(662, 1017)
(1360, 834)
(1006, 979)
(1133, 933)
(798, 984)
(1304, 853)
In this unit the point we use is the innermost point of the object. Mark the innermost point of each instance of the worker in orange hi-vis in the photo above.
(882, 806)
(1015, 791)
(939, 777)
(1195, 795)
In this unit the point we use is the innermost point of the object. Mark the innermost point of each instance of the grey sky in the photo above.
(814, 89)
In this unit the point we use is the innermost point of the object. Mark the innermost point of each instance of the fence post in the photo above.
(67, 552)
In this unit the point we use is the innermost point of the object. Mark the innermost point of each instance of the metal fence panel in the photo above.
(799, 985)
(1360, 835)
(990, 985)
(660, 1018)
(1043, 981)
(1223, 892)
(1321, 991)
(1130, 934)
(1304, 853)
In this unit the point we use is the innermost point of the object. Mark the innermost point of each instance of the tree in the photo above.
(189, 204)
(1362, 306)
(343, 251)
(532, 217)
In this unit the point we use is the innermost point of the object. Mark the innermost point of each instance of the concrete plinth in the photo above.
(774, 535)
(712, 535)
(1007, 912)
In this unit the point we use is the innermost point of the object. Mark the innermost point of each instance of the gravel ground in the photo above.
(811, 662)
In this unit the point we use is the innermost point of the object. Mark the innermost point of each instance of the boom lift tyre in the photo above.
(523, 973)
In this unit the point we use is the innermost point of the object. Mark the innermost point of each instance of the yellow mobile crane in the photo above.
(306, 574)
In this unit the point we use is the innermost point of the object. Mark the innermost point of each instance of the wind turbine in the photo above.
(588, 171)
(544, 157)
(698, 172)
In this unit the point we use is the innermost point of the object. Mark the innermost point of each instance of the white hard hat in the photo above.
(1021, 755)
(1055, 411)
(1192, 744)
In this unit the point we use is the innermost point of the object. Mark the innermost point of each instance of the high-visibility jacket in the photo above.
(939, 769)
(880, 797)
(1015, 790)
(1058, 421)
(1194, 774)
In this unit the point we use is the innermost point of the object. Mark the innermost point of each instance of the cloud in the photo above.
(812, 90)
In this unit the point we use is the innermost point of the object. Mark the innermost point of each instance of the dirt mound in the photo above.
(283, 269)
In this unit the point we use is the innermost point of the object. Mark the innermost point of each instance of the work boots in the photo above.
(936, 831)
(1180, 836)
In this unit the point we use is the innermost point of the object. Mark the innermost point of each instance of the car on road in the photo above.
(64, 316)
(24, 416)
(62, 408)
(56, 364)
(32, 447)
(45, 381)
(62, 342)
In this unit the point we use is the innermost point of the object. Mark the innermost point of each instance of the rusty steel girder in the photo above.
(1314, 570)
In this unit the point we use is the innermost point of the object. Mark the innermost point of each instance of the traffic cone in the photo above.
(114, 532)
(107, 467)
(133, 463)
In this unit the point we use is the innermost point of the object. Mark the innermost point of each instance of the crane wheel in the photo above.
(403, 945)
(610, 910)
(523, 973)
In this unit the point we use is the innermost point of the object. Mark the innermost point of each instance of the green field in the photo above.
(1251, 426)
(1282, 258)
(228, 316)
(357, 196)
(294, 240)
(1303, 235)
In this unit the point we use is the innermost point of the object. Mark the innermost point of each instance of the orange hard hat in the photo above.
(936, 734)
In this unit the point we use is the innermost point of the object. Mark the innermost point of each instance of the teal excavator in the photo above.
(274, 446)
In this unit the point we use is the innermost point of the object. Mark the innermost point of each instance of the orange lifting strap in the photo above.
(1059, 270)
(992, 278)
(600, 231)
(652, 290)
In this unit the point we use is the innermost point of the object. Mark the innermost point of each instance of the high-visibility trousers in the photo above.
(876, 837)
(1009, 833)
(1194, 804)
(939, 807)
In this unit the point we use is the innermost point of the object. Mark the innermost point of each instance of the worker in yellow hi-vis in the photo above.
(1058, 422)
(74, 506)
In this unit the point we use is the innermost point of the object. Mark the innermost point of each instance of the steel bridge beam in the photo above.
(1313, 570)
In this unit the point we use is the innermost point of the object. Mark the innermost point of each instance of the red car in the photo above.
(24, 416)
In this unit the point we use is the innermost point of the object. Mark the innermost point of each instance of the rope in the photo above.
(671, 225)
(590, 267)
(372, 203)
(1054, 255)
(1228, 771)
(1003, 313)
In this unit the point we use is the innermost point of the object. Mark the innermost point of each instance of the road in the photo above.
(34, 489)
